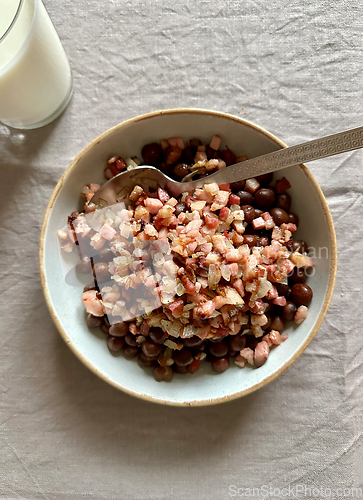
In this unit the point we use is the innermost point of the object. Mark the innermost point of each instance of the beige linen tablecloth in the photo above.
(295, 69)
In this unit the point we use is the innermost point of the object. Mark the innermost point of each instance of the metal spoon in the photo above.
(150, 178)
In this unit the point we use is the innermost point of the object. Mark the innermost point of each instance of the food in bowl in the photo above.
(210, 276)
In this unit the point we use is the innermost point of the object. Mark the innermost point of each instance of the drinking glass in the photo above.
(35, 76)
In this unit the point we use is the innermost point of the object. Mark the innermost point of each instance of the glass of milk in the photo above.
(35, 75)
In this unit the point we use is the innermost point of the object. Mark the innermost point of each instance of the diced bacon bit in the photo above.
(259, 319)
(281, 185)
(176, 307)
(107, 232)
(206, 248)
(62, 235)
(301, 260)
(136, 193)
(115, 166)
(163, 195)
(279, 301)
(98, 244)
(238, 285)
(248, 355)
(220, 200)
(205, 310)
(150, 230)
(286, 267)
(258, 223)
(252, 185)
(194, 366)
(221, 164)
(200, 156)
(240, 361)
(269, 222)
(275, 337)
(234, 200)
(92, 303)
(215, 142)
(189, 200)
(224, 187)
(259, 306)
(153, 205)
(261, 353)
(272, 294)
(284, 337)
(233, 267)
(176, 142)
(289, 226)
(224, 213)
(211, 222)
(301, 314)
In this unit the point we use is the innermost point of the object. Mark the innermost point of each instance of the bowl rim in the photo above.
(82, 357)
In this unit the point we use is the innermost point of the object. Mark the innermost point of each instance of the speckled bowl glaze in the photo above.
(64, 301)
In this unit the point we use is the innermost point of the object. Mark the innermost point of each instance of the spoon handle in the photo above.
(287, 157)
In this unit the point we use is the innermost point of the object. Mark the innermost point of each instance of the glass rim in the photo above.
(16, 15)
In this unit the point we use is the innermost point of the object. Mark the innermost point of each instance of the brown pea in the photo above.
(93, 321)
(144, 361)
(297, 246)
(105, 328)
(249, 213)
(163, 373)
(282, 289)
(279, 216)
(237, 186)
(277, 324)
(188, 155)
(283, 201)
(180, 208)
(183, 357)
(293, 218)
(151, 153)
(181, 170)
(298, 275)
(172, 155)
(218, 349)
(265, 178)
(245, 197)
(289, 311)
(267, 325)
(115, 344)
(151, 350)
(212, 154)
(250, 240)
(105, 255)
(157, 335)
(131, 352)
(263, 241)
(301, 294)
(194, 143)
(258, 212)
(84, 265)
(181, 369)
(220, 365)
(264, 198)
(237, 342)
(131, 340)
(119, 329)
(101, 271)
(193, 341)
(229, 157)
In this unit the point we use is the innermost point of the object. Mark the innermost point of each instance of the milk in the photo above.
(35, 76)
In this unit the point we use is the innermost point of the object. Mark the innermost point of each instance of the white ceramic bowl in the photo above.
(64, 301)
